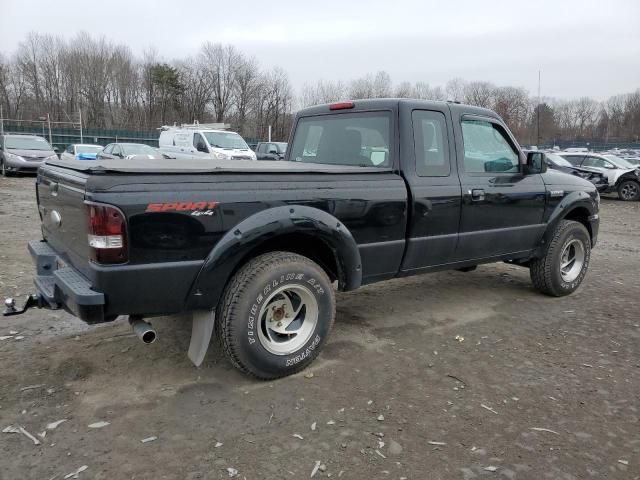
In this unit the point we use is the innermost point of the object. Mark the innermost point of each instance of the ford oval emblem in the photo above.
(56, 219)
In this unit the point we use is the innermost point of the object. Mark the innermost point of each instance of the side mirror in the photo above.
(536, 163)
(201, 147)
(273, 152)
(609, 166)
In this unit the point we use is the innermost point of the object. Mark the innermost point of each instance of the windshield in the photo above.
(226, 140)
(282, 147)
(620, 162)
(135, 149)
(558, 160)
(26, 143)
(88, 149)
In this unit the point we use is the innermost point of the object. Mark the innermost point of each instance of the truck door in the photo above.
(502, 208)
(430, 170)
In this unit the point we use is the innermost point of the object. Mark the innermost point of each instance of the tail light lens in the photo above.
(107, 234)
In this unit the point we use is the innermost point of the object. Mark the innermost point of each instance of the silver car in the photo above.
(623, 177)
(81, 151)
(23, 153)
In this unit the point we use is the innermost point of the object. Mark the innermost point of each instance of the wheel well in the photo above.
(580, 214)
(302, 244)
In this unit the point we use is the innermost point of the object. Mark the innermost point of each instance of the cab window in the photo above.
(355, 139)
(487, 148)
(430, 142)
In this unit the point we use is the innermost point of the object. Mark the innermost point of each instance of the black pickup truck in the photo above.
(369, 190)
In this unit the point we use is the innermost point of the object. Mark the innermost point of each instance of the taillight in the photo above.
(107, 234)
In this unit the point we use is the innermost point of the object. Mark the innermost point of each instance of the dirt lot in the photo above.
(532, 387)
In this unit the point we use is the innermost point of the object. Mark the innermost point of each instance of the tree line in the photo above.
(115, 89)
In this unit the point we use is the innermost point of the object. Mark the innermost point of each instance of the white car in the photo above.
(199, 142)
(623, 177)
(81, 151)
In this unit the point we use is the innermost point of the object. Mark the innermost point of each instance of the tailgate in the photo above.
(61, 195)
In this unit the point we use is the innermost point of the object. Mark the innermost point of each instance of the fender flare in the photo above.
(573, 200)
(233, 247)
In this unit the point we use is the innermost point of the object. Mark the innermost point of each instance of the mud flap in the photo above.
(201, 329)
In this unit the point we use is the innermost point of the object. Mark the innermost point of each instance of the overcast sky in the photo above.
(583, 47)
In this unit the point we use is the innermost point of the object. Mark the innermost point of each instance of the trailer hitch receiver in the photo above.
(32, 301)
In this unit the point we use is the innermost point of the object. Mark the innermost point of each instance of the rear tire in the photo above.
(629, 191)
(565, 262)
(275, 315)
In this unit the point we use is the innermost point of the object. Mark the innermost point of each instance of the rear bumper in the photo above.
(102, 292)
(64, 286)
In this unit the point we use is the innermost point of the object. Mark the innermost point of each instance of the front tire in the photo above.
(275, 315)
(629, 191)
(5, 172)
(565, 262)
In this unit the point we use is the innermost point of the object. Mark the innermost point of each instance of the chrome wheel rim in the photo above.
(629, 190)
(287, 319)
(572, 260)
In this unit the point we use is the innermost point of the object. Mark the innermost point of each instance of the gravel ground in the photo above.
(445, 376)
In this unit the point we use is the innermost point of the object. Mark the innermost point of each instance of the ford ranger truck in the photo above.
(368, 191)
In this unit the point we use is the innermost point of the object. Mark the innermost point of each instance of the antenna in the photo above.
(538, 109)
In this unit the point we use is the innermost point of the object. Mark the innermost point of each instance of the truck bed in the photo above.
(143, 165)
(174, 243)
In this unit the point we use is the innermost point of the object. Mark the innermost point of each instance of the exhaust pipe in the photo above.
(142, 329)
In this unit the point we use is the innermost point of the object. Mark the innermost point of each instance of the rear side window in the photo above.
(486, 148)
(431, 146)
(357, 139)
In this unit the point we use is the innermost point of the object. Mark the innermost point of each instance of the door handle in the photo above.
(477, 194)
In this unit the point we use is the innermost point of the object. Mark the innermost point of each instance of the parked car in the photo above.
(557, 162)
(81, 151)
(129, 151)
(23, 153)
(369, 190)
(271, 150)
(199, 142)
(622, 176)
(577, 150)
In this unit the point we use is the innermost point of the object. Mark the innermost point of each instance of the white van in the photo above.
(201, 141)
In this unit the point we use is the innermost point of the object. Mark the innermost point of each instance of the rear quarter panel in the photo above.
(175, 218)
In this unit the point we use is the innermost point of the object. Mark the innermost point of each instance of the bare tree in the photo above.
(480, 94)
(221, 64)
(455, 89)
(245, 89)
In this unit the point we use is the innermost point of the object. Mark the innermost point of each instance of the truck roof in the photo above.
(386, 103)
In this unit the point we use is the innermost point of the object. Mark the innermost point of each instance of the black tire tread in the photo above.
(540, 269)
(231, 297)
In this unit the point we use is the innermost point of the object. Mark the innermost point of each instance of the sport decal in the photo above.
(196, 208)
